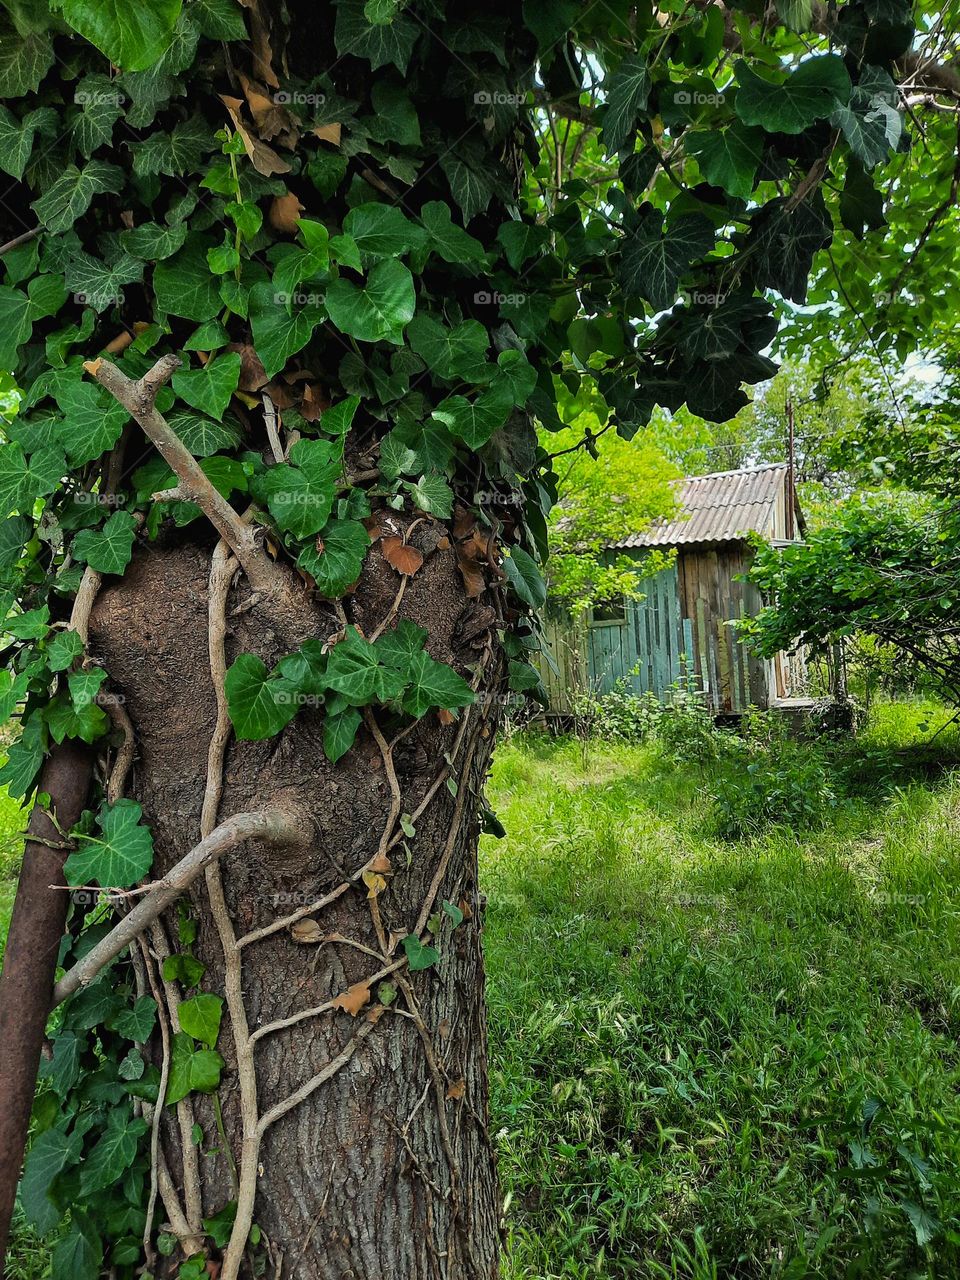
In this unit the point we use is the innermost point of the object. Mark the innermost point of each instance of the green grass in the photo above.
(688, 1035)
(717, 1059)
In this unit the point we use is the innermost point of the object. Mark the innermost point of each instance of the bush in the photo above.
(620, 715)
(685, 727)
(782, 788)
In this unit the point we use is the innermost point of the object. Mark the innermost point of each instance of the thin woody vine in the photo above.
(301, 286)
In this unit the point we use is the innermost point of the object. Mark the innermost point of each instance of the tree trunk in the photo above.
(385, 1170)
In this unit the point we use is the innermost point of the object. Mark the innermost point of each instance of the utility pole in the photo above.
(791, 494)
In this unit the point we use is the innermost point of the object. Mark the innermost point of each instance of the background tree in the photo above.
(284, 313)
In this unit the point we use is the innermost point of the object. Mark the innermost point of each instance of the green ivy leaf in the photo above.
(379, 43)
(419, 956)
(175, 153)
(121, 858)
(300, 497)
(336, 559)
(192, 1070)
(626, 98)
(183, 968)
(219, 20)
(653, 263)
(810, 93)
(340, 732)
(133, 36)
(355, 672)
(17, 137)
(522, 240)
(431, 494)
(200, 1017)
(50, 1154)
(460, 352)
(202, 436)
(382, 231)
(278, 334)
(108, 550)
(447, 240)
(24, 758)
(433, 684)
(73, 192)
(379, 309)
(209, 388)
(135, 1022)
(260, 705)
(475, 421)
(183, 285)
(65, 720)
(101, 106)
(113, 1154)
(92, 423)
(24, 59)
(470, 188)
(525, 577)
(79, 1254)
(728, 158)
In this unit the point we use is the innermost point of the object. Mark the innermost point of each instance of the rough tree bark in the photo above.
(386, 1170)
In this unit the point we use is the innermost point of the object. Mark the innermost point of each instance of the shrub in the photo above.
(784, 788)
(620, 715)
(685, 726)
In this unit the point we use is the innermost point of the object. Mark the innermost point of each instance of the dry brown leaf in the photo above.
(328, 133)
(263, 158)
(252, 374)
(473, 576)
(284, 212)
(375, 883)
(376, 1013)
(381, 865)
(404, 558)
(464, 522)
(353, 999)
(120, 342)
(446, 717)
(443, 1029)
(271, 117)
(306, 931)
(260, 40)
(314, 403)
(466, 908)
(457, 1090)
(283, 396)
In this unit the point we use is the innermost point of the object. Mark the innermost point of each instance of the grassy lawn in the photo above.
(717, 1058)
(723, 1058)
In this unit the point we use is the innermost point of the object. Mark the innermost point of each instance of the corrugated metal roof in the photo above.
(721, 507)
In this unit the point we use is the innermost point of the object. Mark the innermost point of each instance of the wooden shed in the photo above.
(683, 625)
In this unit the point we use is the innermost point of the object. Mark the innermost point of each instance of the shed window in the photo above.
(610, 611)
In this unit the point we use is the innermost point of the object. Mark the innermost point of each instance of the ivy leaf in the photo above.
(202, 436)
(219, 20)
(211, 387)
(33, 624)
(728, 158)
(336, 559)
(113, 1154)
(355, 672)
(102, 107)
(522, 240)
(431, 494)
(810, 93)
(24, 758)
(653, 263)
(525, 577)
(133, 36)
(433, 684)
(99, 285)
(471, 189)
(379, 43)
(65, 720)
(861, 203)
(182, 968)
(135, 1022)
(447, 240)
(78, 1255)
(515, 378)
(460, 352)
(277, 334)
(108, 550)
(475, 421)
(153, 242)
(340, 732)
(782, 243)
(192, 1070)
(337, 420)
(175, 153)
(63, 649)
(73, 192)
(200, 1018)
(626, 98)
(419, 956)
(24, 59)
(379, 309)
(92, 423)
(260, 705)
(300, 497)
(50, 1153)
(21, 483)
(121, 857)
(183, 285)
(382, 231)
(17, 137)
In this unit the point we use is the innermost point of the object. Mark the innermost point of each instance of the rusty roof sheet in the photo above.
(721, 507)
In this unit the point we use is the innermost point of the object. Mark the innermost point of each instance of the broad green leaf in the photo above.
(202, 436)
(24, 758)
(522, 240)
(183, 285)
(14, 535)
(300, 497)
(183, 968)
(16, 324)
(448, 240)
(525, 577)
(50, 1153)
(432, 494)
(471, 189)
(337, 420)
(460, 352)
(626, 97)
(84, 685)
(73, 193)
(113, 1154)
(17, 137)
(812, 92)
(653, 263)
(475, 421)
(795, 14)
(515, 377)
(22, 482)
(108, 550)
(63, 1068)
(379, 44)
(335, 560)
(260, 705)
(340, 732)
(200, 1018)
(100, 284)
(219, 19)
(278, 335)
(354, 671)
(382, 231)
(433, 684)
(24, 59)
(136, 1022)
(175, 153)
(65, 720)
(728, 158)
(101, 106)
(398, 646)
(92, 423)
(209, 388)
(120, 857)
(78, 1255)
(32, 624)
(419, 955)
(192, 1070)
(379, 309)
(133, 36)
